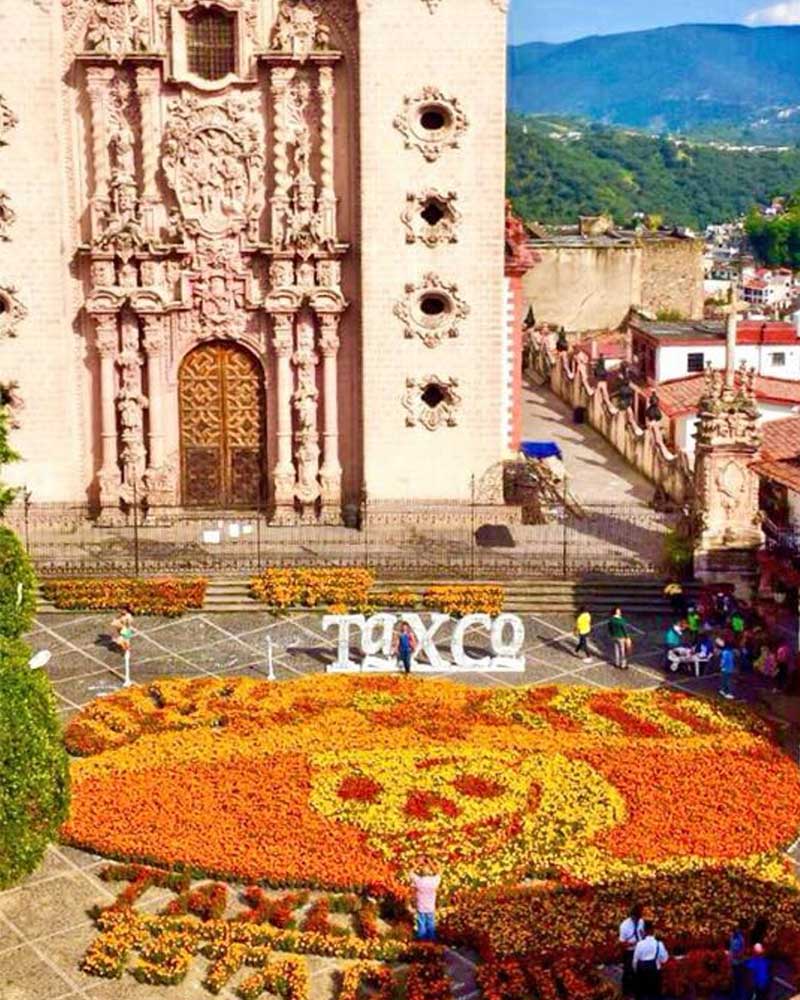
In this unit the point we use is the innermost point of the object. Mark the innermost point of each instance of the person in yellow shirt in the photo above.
(583, 629)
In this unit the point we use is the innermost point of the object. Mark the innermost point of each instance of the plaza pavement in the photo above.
(45, 925)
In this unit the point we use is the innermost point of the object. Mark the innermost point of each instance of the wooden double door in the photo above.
(222, 428)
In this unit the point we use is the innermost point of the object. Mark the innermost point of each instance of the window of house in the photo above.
(778, 359)
(695, 362)
(211, 43)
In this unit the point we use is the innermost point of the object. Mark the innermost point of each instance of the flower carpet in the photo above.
(545, 810)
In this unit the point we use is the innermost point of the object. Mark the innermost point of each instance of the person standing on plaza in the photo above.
(425, 884)
(649, 957)
(621, 639)
(404, 646)
(727, 665)
(760, 969)
(583, 629)
(631, 932)
(123, 626)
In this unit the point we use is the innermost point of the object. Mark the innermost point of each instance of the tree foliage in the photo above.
(17, 587)
(34, 791)
(623, 173)
(776, 241)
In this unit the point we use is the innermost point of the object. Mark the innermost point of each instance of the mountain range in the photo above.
(715, 80)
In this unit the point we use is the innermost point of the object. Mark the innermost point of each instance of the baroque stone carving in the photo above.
(7, 120)
(214, 162)
(12, 311)
(7, 216)
(116, 28)
(431, 310)
(431, 122)
(305, 401)
(431, 217)
(432, 402)
(131, 404)
(299, 30)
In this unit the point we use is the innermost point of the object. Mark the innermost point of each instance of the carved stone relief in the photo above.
(432, 402)
(299, 30)
(116, 28)
(7, 120)
(7, 216)
(431, 310)
(431, 122)
(431, 217)
(12, 311)
(214, 161)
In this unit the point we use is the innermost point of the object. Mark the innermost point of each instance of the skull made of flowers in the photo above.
(475, 814)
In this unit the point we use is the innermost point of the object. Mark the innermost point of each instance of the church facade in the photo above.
(252, 252)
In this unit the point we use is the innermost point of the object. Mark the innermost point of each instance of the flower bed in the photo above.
(524, 799)
(170, 596)
(465, 599)
(348, 587)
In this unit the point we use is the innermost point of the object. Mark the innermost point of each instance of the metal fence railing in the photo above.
(479, 544)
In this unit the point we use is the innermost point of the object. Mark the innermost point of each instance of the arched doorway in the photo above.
(222, 419)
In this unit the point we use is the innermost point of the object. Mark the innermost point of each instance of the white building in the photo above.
(669, 351)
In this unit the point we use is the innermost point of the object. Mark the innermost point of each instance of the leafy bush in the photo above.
(678, 554)
(17, 587)
(171, 596)
(34, 791)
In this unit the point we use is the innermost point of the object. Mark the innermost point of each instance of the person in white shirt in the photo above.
(631, 932)
(649, 957)
(425, 884)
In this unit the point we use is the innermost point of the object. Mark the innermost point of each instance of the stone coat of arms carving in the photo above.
(214, 162)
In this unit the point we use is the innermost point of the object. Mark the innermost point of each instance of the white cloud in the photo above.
(778, 13)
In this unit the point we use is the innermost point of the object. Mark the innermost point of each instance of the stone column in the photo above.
(148, 87)
(107, 341)
(280, 77)
(155, 341)
(305, 400)
(331, 471)
(327, 197)
(98, 80)
(284, 474)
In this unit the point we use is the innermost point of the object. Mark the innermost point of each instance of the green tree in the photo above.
(7, 453)
(34, 791)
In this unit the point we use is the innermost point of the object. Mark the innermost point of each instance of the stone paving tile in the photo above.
(162, 666)
(184, 634)
(81, 859)
(26, 976)
(79, 690)
(221, 657)
(9, 938)
(68, 664)
(52, 864)
(49, 906)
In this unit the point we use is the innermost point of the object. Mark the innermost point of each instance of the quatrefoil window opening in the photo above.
(433, 395)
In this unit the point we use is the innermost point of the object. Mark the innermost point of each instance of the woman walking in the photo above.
(621, 639)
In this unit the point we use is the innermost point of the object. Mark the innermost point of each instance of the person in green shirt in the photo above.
(621, 639)
(693, 622)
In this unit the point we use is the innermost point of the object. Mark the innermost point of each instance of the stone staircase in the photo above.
(636, 596)
(642, 596)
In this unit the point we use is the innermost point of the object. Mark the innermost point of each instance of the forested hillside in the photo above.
(553, 180)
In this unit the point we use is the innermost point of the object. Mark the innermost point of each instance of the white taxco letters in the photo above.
(375, 635)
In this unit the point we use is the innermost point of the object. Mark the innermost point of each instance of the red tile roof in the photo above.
(781, 439)
(683, 395)
(785, 473)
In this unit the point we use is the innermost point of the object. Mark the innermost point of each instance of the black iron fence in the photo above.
(477, 542)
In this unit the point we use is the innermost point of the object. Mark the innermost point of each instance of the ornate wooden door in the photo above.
(222, 418)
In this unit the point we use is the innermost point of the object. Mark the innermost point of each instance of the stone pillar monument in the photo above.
(728, 442)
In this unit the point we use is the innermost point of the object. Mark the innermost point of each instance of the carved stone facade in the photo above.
(432, 122)
(432, 402)
(728, 437)
(220, 211)
(431, 310)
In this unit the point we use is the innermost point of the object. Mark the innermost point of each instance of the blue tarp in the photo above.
(540, 449)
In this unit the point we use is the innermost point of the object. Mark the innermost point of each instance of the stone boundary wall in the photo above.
(645, 447)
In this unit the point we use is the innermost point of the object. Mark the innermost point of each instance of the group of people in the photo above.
(644, 955)
(719, 629)
(619, 632)
(715, 631)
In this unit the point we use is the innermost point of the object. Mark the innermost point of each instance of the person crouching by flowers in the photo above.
(425, 883)
(631, 932)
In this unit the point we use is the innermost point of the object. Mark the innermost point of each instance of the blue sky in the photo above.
(561, 20)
